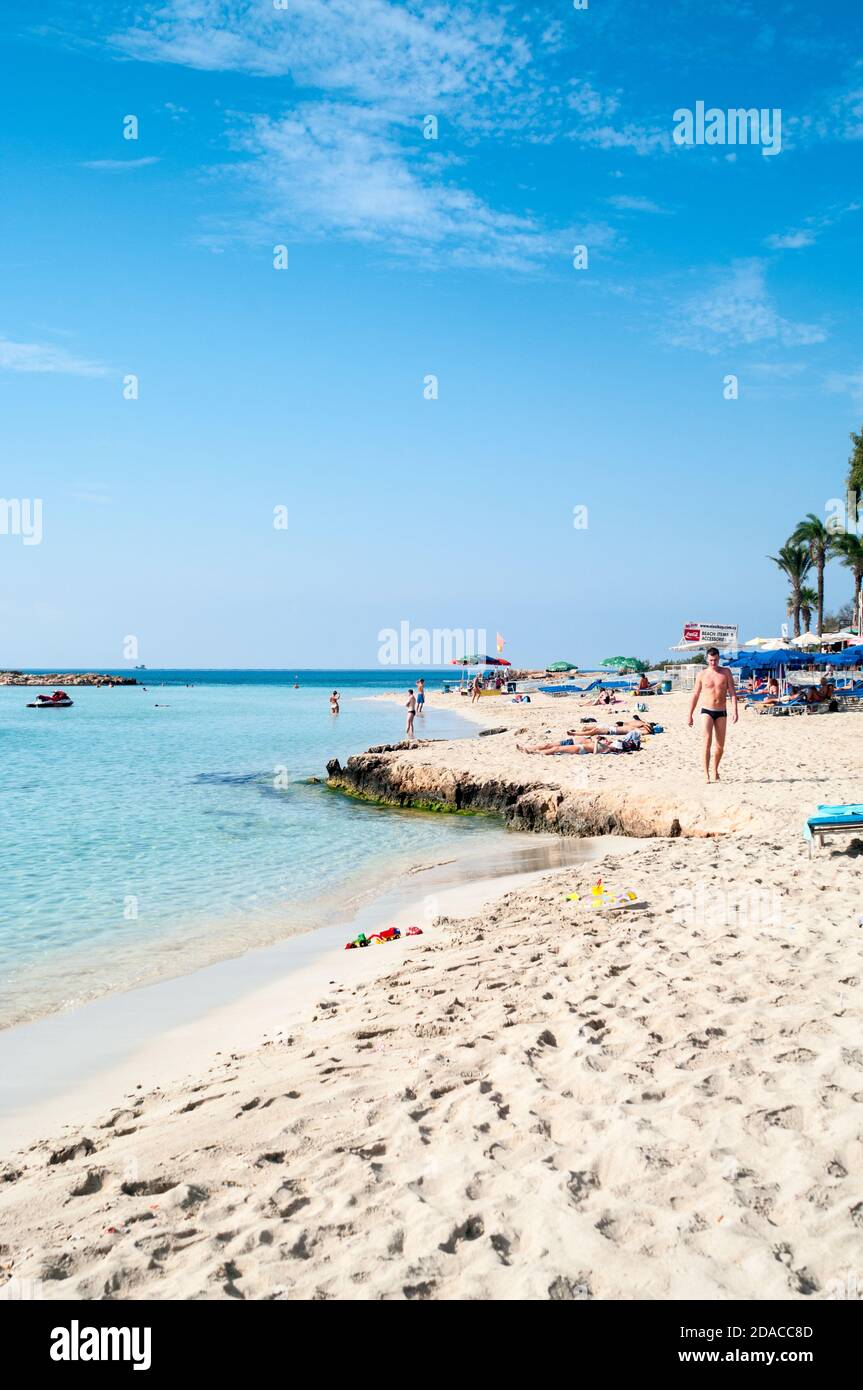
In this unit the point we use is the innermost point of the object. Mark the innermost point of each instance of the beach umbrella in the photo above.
(756, 641)
(630, 661)
(806, 639)
(777, 644)
(476, 660)
(562, 666)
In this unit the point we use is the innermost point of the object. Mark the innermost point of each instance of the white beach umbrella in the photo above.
(756, 641)
(806, 639)
(777, 644)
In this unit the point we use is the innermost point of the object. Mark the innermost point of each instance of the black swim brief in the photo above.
(715, 713)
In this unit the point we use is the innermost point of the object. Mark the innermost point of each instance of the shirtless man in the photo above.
(714, 688)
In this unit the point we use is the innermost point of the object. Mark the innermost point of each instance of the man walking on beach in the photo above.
(714, 687)
(411, 707)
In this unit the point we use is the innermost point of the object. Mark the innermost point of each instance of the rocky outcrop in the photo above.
(382, 776)
(70, 678)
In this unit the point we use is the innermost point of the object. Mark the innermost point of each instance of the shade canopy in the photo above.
(756, 641)
(631, 661)
(476, 660)
(562, 666)
(806, 639)
(793, 659)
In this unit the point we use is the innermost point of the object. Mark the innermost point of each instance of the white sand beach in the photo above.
(540, 1099)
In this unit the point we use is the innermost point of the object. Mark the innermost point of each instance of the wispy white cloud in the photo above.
(45, 357)
(348, 163)
(777, 371)
(121, 164)
(598, 123)
(790, 241)
(629, 202)
(641, 139)
(584, 98)
(837, 116)
(846, 383)
(812, 227)
(443, 56)
(736, 310)
(329, 169)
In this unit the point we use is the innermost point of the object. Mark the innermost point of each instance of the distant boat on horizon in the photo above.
(140, 668)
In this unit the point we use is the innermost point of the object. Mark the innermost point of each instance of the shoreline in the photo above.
(76, 1060)
(188, 940)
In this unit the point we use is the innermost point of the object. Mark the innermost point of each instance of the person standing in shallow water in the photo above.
(411, 707)
(334, 702)
(421, 696)
(714, 688)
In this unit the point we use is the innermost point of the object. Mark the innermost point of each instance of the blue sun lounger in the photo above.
(833, 820)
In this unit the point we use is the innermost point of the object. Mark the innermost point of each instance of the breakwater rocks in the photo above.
(58, 679)
(385, 775)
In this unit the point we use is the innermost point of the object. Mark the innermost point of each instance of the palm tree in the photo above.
(812, 533)
(849, 550)
(808, 600)
(795, 563)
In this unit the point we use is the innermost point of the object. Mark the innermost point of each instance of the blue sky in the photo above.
(303, 388)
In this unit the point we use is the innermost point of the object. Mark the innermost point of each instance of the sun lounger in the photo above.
(758, 702)
(833, 820)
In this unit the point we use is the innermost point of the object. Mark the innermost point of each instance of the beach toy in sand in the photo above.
(382, 937)
(603, 895)
(597, 891)
(414, 931)
(624, 899)
(361, 940)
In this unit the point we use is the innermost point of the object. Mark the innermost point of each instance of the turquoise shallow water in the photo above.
(148, 831)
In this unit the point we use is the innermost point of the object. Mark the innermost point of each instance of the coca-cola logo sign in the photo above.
(719, 634)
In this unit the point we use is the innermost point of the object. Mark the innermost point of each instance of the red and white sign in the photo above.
(711, 634)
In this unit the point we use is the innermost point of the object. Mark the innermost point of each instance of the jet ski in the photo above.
(59, 700)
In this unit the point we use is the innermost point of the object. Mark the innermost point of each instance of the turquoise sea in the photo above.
(156, 828)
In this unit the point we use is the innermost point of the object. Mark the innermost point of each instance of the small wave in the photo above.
(230, 779)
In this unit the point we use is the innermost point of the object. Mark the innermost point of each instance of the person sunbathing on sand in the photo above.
(620, 726)
(587, 743)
